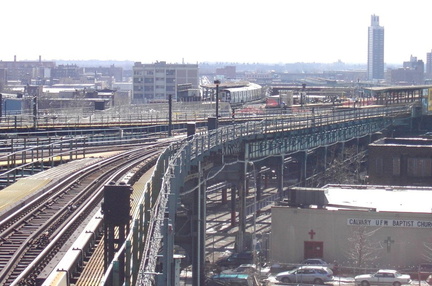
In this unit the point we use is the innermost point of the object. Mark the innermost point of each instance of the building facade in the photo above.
(65, 71)
(412, 73)
(375, 63)
(389, 239)
(111, 71)
(400, 161)
(228, 72)
(429, 66)
(155, 82)
(26, 71)
(359, 227)
(3, 78)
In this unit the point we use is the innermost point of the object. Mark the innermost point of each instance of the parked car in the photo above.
(419, 272)
(383, 277)
(316, 261)
(270, 270)
(306, 274)
(429, 280)
(243, 268)
(424, 270)
(230, 279)
(236, 259)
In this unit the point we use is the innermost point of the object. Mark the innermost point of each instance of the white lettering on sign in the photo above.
(389, 222)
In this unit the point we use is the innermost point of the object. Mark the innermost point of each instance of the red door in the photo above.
(313, 249)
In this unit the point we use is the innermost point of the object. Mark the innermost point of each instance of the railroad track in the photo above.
(32, 235)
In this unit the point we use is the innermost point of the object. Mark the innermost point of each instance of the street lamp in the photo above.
(217, 82)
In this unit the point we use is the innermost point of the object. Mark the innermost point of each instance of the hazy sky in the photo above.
(271, 31)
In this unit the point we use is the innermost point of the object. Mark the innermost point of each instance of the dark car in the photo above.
(235, 259)
(424, 270)
(420, 272)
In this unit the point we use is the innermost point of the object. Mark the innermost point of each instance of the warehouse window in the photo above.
(419, 167)
(396, 166)
(379, 165)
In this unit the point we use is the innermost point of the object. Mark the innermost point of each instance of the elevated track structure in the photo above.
(179, 185)
(171, 213)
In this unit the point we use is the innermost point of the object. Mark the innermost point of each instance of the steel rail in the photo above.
(69, 182)
(47, 192)
(83, 210)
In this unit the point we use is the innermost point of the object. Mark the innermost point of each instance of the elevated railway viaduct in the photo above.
(231, 154)
(173, 209)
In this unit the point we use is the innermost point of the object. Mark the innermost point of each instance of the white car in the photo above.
(429, 280)
(316, 261)
(306, 274)
(383, 277)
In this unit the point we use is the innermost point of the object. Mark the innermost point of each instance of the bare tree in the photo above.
(344, 167)
(427, 255)
(362, 250)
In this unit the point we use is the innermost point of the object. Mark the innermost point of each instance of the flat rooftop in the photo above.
(402, 142)
(398, 88)
(411, 199)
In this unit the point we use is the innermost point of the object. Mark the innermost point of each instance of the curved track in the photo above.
(32, 235)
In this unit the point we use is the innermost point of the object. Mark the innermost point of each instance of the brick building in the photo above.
(25, 71)
(401, 161)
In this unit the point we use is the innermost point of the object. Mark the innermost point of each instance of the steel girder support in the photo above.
(198, 231)
(167, 277)
(242, 209)
(280, 175)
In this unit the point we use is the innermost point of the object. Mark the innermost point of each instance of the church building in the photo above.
(355, 226)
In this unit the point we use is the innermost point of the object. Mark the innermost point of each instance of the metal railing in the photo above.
(21, 157)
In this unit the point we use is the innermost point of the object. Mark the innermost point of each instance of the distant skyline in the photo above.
(273, 31)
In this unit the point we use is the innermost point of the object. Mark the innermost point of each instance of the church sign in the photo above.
(389, 222)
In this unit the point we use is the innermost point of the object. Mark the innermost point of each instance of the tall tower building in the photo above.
(429, 65)
(375, 50)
